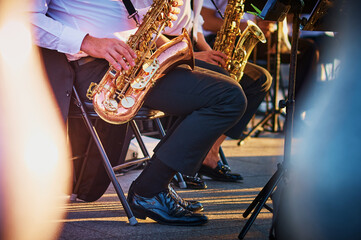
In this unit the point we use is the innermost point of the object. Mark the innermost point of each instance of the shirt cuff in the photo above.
(71, 40)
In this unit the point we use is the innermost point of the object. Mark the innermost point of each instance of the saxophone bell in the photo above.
(226, 42)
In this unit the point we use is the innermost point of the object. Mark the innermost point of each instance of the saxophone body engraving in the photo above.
(226, 37)
(119, 95)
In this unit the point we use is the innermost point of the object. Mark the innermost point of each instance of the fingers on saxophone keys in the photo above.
(175, 10)
(124, 63)
(120, 62)
(172, 17)
(113, 62)
(177, 3)
(128, 58)
(219, 54)
(219, 60)
(129, 50)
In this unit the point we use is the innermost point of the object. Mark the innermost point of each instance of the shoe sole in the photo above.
(220, 179)
(196, 188)
(143, 216)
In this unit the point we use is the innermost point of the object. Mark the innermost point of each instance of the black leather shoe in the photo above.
(163, 209)
(191, 182)
(193, 206)
(220, 173)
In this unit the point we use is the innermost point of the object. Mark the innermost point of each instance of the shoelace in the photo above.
(177, 210)
(176, 197)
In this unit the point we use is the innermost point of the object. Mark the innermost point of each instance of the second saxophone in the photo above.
(235, 44)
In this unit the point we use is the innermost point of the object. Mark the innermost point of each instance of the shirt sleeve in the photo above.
(52, 34)
(200, 24)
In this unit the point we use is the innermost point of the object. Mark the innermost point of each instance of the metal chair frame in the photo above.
(87, 115)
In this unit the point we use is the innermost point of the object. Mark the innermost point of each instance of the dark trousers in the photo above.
(208, 103)
(256, 82)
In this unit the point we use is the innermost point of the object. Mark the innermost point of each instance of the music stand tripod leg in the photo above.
(255, 128)
(276, 83)
(259, 202)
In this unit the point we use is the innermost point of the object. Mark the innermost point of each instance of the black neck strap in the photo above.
(219, 11)
(131, 10)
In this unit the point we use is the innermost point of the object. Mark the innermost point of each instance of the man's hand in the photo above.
(174, 10)
(115, 51)
(211, 56)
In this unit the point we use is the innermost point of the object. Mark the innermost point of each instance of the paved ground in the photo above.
(223, 203)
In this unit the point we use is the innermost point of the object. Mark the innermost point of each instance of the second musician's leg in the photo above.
(211, 103)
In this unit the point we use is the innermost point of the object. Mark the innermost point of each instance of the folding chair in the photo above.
(87, 113)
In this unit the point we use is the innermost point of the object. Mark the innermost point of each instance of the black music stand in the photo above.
(275, 10)
(260, 201)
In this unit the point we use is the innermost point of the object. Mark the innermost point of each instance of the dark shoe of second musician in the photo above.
(191, 182)
(220, 173)
(193, 206)
(163, 209)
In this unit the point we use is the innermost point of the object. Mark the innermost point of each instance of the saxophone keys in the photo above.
(149, 69)
(91, 90)
(110, 105)
(113, 73)
(127, 102)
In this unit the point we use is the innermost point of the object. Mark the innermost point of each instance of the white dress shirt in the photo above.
(187, 19)
(62, 24)
(221, 5)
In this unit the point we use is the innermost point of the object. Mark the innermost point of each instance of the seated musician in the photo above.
(93, 34)
(255, 83)
(308, 54)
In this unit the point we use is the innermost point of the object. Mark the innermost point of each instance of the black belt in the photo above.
(83, 60)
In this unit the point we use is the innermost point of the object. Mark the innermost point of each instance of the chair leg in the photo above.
(138, 136)
(106, 162)
(74, 195)
(143, 148)
(159, 126)
(223, 157)
(125, 146)
(180, 179)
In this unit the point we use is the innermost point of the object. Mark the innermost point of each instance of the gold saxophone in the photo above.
(119, 95)
(237, 52)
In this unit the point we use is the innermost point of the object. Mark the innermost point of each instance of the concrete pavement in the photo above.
(223, 203)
